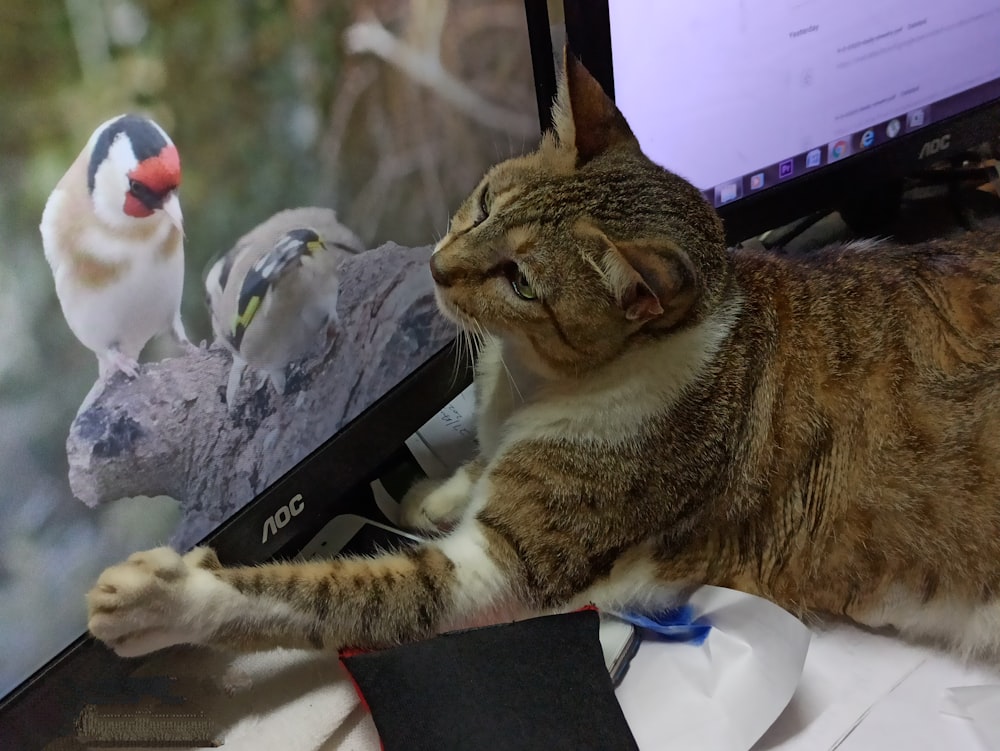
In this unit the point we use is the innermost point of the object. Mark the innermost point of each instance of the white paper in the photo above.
(426, 458)
(448, 439)
(981, 706)
(723, 694)
(865, 691)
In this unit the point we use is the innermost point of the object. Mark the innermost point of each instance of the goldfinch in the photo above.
(112, 232)
(273, 297)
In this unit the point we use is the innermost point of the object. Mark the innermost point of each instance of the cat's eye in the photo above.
(483, 210)
(520, 284)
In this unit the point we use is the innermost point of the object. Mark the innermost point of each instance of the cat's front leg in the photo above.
(159, 598)
(433, 506)
(156, 599)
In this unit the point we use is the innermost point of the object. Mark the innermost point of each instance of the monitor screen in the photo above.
(386, 116)
(739, 97)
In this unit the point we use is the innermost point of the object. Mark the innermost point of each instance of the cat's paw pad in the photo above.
(141, 605)
(431, 506)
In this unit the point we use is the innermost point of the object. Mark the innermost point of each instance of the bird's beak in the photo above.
(172, 208)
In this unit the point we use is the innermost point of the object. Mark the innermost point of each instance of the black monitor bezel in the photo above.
(351, 457)
(52, 696)
(588, 35)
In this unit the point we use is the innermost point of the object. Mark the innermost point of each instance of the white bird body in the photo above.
(119, 278)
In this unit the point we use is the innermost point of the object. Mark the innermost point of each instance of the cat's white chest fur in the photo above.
(610, 405)
(503, 387)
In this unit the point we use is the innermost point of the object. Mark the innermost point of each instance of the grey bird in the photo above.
(273, 296)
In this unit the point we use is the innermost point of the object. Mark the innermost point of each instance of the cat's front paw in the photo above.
(433, 505)
(151, 601)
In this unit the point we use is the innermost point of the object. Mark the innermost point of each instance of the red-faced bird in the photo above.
(113, 234)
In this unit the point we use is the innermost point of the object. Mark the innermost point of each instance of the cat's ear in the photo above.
(584, 116)
(652, 280)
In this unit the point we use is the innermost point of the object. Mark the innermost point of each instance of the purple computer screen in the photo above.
(737, 95)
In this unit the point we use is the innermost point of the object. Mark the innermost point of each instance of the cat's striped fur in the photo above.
(658, 412)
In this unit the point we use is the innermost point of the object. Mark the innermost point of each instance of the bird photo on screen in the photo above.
(112, 232)
(273, 296)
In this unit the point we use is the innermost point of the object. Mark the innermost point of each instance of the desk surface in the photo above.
(858, 692)
(868, 692)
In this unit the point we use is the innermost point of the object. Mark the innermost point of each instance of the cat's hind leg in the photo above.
(971, 629)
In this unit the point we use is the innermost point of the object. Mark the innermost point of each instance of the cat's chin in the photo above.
(455, 314)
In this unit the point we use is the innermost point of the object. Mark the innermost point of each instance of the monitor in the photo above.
(777, 109)
(386, 116)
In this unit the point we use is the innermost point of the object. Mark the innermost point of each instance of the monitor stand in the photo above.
(872, 211)
(925, 203)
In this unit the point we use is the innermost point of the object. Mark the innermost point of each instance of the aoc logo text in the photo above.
(934, 146)
(282, 516)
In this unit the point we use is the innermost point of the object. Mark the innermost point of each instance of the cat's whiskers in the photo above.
(471, 339)
(482, 336)
(464, 352)
(458, 355)
(511, 380)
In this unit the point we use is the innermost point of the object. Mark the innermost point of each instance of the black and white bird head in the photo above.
(134, 172)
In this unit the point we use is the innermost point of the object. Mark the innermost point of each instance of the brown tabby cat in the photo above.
(658, 412)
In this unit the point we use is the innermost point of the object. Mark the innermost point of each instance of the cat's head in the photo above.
(583, 248)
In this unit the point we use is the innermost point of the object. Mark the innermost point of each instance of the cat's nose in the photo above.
(439, 273)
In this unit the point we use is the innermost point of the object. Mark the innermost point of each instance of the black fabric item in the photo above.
(536, 684)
